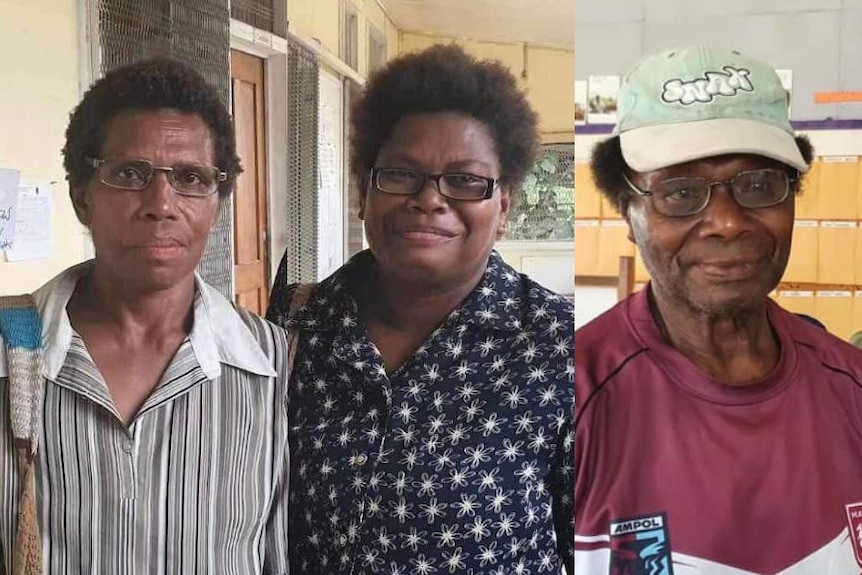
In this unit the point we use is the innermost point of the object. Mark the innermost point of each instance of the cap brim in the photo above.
(657, 147)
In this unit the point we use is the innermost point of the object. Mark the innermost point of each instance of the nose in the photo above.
(158, 199)
(429, 198)
(723, 217)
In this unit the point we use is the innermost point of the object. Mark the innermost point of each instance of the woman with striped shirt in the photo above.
(161, 423)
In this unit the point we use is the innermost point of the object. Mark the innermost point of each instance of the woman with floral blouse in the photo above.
(431, 404)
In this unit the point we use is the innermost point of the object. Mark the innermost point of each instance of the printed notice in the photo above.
(9, 180)
(32, 223)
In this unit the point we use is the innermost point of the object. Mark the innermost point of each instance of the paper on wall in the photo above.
(9, 181)
(32, 223)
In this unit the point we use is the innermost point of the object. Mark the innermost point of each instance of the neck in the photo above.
(415, 306)
(737, 349)
(101, 297)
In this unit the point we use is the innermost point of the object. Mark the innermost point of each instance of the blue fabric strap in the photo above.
(21, 327)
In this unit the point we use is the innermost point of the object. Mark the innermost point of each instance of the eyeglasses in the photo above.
(753, 189)
(404, 182)
(135, 174)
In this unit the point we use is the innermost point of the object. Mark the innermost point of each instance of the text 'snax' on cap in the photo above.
(692, 103)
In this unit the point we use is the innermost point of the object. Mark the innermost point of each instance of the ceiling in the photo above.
(550, 22)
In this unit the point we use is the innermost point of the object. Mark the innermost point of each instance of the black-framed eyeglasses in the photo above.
(456, 186)
(187, 179)
(752, 189)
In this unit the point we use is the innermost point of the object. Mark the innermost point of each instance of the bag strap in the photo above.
(300, 296)
(21, 329)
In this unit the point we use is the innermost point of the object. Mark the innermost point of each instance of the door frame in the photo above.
(272, 49)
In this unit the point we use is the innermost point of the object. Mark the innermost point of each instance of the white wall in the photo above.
(819, 40)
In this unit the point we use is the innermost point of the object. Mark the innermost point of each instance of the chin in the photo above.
(729, 306)
(418, 271)
(159, 278)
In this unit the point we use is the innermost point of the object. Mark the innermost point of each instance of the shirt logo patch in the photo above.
(725, 83)
(854, 521)
(640, 546)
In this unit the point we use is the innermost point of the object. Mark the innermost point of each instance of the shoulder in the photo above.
(613, 321)
(832, 352)
(545, 308)
(270, 336)
(604, 345)
(539, 306)
(318, 297)
(230, 335)
(279, 302)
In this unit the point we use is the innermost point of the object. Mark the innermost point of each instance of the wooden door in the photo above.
(251, 261)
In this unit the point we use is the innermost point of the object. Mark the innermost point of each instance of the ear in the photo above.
(628, 222)
(629, 233)
(363, 196)
(78, 196)
(505, 207)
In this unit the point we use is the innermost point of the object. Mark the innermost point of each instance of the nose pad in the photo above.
(429, 196)
(159, 198)
(723, 215)
(722, 196)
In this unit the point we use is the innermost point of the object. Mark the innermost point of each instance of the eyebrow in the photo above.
(461, 164)
(133, 158)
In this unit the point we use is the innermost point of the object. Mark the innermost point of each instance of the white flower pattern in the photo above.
(461, 461)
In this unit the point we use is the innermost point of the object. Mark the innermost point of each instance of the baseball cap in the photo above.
(696, 102)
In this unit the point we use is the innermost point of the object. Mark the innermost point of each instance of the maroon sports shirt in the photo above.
(677, 473)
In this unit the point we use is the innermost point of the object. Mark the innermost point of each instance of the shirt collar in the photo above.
(218, 333)
(497, 302)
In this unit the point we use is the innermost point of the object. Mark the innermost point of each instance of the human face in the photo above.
(722, 261)
(153, 238)
(426, 237)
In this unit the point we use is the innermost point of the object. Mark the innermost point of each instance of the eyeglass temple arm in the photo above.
(634, 188)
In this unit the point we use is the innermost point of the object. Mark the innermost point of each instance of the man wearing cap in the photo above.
(715, 432)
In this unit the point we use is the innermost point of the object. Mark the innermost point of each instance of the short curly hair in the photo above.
(444, 78)
(608, 166)
(151, 84)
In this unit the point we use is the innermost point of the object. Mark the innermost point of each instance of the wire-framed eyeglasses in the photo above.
(752, 189)
(456, 186)
(187, 179)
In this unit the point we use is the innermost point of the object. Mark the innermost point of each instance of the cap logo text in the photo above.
(726, 83)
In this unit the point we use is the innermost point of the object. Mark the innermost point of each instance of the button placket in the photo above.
(343, 539)
(128, 472)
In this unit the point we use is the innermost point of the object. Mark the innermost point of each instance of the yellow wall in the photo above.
(39, 59)
(547, 75)
(320, 20)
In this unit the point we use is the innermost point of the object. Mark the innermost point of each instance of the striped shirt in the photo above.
(194, 484)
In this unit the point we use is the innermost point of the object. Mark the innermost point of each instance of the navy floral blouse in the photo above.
(459, 462)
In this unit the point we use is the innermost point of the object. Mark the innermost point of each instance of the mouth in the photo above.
(729, 270)
(425, 234)
(160, 247)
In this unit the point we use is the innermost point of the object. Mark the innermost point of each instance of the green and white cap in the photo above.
(695, 102)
